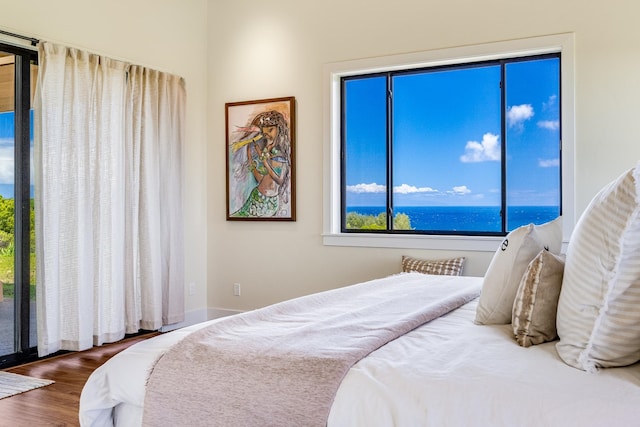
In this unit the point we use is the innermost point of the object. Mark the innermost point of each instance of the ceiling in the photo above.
(7, 73)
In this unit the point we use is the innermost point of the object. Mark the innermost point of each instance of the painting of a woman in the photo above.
(260, 164)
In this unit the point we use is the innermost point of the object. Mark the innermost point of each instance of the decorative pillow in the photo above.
(550, 234)
(598, 317)
(447, 267)
(507, 267)
(536, 303)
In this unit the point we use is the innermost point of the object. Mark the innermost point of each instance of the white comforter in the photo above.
(449, 372)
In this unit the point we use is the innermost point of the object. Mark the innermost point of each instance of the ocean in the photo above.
(466, 218)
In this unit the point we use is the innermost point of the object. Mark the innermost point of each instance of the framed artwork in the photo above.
(260, 148)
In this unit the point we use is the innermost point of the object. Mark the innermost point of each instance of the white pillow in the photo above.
(598, 317)
(550, 234)
(509, 264)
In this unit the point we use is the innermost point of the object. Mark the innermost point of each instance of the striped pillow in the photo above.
(446, 267)
(598, 317)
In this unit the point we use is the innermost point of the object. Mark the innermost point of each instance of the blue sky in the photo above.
(447, 144)
(7, 153)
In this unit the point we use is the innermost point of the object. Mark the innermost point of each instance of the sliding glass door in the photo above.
(18, 71)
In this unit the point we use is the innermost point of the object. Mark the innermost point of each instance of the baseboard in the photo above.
(197, 316)
(214, 313)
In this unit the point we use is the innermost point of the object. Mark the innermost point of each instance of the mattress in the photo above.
(448, 372)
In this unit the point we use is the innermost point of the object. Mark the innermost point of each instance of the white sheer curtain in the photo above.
(155, 118)
(109, 252)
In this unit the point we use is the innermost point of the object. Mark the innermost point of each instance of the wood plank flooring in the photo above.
(57, 404)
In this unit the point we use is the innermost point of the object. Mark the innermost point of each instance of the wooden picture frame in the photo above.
(260, 153)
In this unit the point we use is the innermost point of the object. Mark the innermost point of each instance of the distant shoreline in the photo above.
(465, 218)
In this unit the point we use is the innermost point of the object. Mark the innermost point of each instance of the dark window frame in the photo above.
(24, 58)
(502, 62)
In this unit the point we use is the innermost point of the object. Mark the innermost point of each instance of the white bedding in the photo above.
(449, 372)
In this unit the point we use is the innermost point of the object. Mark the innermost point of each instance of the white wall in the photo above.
(235, 50)
(278, 48)
(162, 34)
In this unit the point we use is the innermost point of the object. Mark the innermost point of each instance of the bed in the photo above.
(489, 356)
(450, 371)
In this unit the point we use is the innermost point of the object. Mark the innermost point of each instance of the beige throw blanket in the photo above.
(282, 365)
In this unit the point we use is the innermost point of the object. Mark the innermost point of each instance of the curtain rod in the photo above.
(18, 36)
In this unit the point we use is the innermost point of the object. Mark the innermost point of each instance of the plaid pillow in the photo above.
(446, 267)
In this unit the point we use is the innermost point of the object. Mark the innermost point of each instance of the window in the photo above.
(470, 149)
(18, 74)
(467, 148)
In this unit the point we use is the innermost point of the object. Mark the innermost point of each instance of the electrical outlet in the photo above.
(236, 289)
(192, 288)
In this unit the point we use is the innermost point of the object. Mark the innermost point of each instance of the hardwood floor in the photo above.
(57, 404)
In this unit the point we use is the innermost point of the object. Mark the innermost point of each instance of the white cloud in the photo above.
(518, 114)
(487, 150)
(550, 103)
(6, 165)
(549, 124)
(461, 190)
(410, 189)
(367, 188)
(548, 163)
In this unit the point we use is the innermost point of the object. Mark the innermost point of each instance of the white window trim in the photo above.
(332, 235)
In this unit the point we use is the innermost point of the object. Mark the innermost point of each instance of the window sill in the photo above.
(439, 243)
(443, 243)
